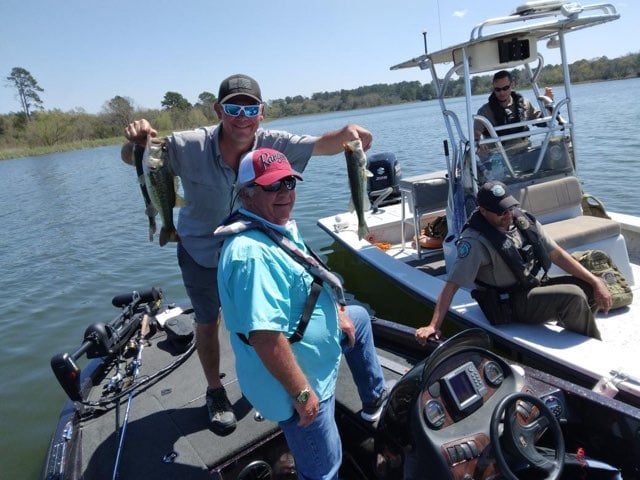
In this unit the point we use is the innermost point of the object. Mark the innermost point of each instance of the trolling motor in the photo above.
(102, 339)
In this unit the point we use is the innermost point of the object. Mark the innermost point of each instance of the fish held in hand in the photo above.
(134, 156)
(161, 185)
(358, 173)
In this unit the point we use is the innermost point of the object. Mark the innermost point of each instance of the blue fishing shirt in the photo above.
(262, 288)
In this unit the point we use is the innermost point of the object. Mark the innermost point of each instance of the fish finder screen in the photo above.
(461, 387)
(464, 387)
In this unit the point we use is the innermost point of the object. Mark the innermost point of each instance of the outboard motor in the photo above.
(384, 187)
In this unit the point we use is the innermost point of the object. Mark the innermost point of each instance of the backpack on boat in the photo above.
(437, 228)
(593, 207)
(601, 265)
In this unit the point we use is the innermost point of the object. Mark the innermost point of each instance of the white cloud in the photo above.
(460, 13)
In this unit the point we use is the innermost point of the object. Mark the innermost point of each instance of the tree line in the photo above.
(34, 126)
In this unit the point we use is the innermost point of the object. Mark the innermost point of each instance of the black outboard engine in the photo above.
(383, 188)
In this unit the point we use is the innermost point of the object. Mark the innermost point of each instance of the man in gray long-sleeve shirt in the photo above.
(206, 160)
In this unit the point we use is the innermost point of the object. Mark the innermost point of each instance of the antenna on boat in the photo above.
(424, 35)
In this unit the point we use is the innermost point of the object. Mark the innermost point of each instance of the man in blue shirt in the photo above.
(263, 291)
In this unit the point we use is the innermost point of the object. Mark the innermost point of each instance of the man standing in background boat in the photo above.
(288, 323)
(506, 106)
(501, 251)
(206, 160)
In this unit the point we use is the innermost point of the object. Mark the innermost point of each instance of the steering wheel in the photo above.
(519, 436)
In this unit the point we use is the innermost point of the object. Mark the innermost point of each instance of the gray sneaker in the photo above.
(221, 415)
(371, 411)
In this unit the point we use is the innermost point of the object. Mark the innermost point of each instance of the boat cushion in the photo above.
(553, 200)
(582, 230)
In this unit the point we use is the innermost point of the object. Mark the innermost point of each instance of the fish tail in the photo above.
(168, 235)
(363, 230)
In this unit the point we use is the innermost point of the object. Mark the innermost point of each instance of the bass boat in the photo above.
(457, 410)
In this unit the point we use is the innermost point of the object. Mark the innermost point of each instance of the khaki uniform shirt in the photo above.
(478, 259)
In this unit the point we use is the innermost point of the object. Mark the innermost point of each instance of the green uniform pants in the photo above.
(567, 304)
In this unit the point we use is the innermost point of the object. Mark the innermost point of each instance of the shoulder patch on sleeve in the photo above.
(464, 248)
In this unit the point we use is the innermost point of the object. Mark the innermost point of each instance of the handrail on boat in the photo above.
(496, 141)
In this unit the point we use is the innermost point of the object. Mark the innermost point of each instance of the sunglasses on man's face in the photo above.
(502, 89)
(235, 110)
(288, 182)
(504, 212)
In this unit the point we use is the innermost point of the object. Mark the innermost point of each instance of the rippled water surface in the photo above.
(74, 234)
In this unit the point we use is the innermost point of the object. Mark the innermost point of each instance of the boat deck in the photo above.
(544, 345)
(168, 435)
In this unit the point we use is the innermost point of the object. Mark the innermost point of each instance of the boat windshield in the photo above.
(540, 151)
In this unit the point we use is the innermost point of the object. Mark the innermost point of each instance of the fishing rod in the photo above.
(121, 434)
(150, 309)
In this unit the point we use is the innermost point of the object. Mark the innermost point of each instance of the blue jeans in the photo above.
(317, 449)
(362, 359)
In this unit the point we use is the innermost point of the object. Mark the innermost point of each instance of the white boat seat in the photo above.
(553, 200)
(557, 205)
(575, 232)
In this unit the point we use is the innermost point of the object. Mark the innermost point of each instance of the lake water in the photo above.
(74, 234)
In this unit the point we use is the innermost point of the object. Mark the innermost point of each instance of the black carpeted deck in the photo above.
(168, 435)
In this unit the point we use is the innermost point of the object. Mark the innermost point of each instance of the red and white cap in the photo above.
(264, 166)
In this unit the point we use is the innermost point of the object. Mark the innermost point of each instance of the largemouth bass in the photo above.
(358, 173)
(135, 156)
(161, 186)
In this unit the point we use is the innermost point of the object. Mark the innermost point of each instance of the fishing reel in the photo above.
(101, 340)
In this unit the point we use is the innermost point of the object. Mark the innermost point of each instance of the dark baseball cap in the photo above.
(495, 197)
(239, 84)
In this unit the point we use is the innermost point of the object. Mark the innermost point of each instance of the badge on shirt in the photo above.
(522, 222)
(464, 248)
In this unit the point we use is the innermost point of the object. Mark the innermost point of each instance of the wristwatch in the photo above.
(304, 395)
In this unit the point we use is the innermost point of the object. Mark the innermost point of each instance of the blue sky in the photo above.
(83, 53)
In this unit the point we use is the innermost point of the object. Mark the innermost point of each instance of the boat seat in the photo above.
(426, 193)
(557, 205)
(575, 232)
(553, 200)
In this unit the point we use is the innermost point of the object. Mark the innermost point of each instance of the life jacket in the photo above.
(238, 222)
(517, 113)
(517, 259)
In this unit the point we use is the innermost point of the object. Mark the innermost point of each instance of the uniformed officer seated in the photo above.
(503, 255)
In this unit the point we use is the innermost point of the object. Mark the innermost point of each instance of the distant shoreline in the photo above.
(22, 152)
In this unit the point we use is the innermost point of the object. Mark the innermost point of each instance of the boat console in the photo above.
(466, 413)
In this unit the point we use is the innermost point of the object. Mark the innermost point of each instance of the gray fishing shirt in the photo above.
(208, 182)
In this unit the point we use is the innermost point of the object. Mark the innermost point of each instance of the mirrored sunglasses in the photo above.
(289, 183)
(235, 110)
